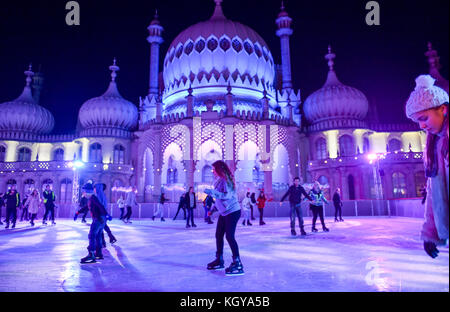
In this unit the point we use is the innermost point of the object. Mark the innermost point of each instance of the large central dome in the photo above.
(212, 54)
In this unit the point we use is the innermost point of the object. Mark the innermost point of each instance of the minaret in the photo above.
(435, 65)
(284, 31)
(155, 40)
(38, 81)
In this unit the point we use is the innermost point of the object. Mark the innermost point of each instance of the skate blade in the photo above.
(235, 274)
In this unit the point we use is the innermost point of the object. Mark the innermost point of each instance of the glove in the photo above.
(430, 249)
(108, 217)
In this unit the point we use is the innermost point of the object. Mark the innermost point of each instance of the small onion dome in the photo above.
(335, 104)
(109, 110)
(24, 114)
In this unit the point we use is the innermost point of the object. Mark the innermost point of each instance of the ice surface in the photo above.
(360, 254)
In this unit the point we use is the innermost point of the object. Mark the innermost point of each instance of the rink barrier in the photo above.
(393, 207)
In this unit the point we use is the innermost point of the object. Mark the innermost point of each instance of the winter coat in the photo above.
(317, 198)
(337, 199)
(187, 201)
(33, 203)
(261, 202)
(295, 194)
(12, 200)
(246, 203)
(131, 199)
(49, 198)
(226, 197)
(436, 226)
(96, 208)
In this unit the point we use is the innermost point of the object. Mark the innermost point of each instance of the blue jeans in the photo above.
(190, 216)
(296, 209)
(95, 234)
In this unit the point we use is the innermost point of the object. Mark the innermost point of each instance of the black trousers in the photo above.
(49, 209)
(122, 212)
(108, 231)
(184, 211)
(226, 225)
(261, 214)
(33, 216)
(128, 215)
(11, 215)
(337, 209)
(317, 211)
(251, 212)
(190, 216)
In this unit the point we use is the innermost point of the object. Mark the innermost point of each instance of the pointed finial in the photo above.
(218, 14)
(330, 57)
(114, 68)
(29, 73)
(190, 90)
(229, 88)
(282, 5)
(430, 46)
(156, 14)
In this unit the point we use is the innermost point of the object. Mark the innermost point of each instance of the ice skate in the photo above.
(188, 226)
(243, 222)
(302, 231)
(98, 255)
(314, 229)
(112, 240)
(325, 229)
(336, 220)
(13, 226)
(153, 218)
(293, 233)
(341, 220)
(7, 226)
(53, 223)
(248, 222)
(262, 223)
(194, 225)
(235, 268)
(75, 217)
(90, 258)
(44, 222)
(217, 264)
(163, 220)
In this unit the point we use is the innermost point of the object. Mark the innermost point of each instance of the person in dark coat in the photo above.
(191, 203)
(12, 199)
(98, 213)
(208, 202)
(181, 205)
(49, 203)
(337, 205)
(252, 204)
(295, 193)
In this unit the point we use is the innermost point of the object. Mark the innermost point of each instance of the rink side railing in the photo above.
(392, 207)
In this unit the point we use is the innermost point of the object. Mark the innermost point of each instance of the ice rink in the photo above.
(362, 254)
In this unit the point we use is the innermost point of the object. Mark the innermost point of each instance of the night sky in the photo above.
(381, 61)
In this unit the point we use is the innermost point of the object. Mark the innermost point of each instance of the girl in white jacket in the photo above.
(428, 106)
(33, 201)
(246, 206)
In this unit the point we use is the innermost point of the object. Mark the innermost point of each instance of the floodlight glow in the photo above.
(78, 164)
(372, 156)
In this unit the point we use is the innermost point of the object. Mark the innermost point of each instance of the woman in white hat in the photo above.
(428, 106)
(33, 202)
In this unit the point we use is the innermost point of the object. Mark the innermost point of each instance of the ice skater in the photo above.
(24, 215)
(49, 203)
(158, 210)
(191, 203)
(98, 213)
(428, 106)
(33, 203)
(121, 205)
(207, 204)
(181, 205)
(295, 193)
(83, 208)
(261, 203)
(130, 202)
(227, 204)
(252, 204)
(316, 206)
(12, 199)
(104, 201)
(246, 206)
(337, 205)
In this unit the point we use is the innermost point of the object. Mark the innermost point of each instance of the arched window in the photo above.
(58, 154)
(28, 186)
(420, 181)
(119, 154)
(172, 172)
(399, 185)
(66, 191)
(24, 154)
(366, 145)
(394, 145)
(95, 153)
(207, 175)
(47, 182)
(346, 146)
(2, 153)
(321, 149)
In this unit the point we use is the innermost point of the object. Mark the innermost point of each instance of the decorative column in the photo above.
(190, 104)
(284, 31)
(229, 101)
(155, 39)
(157, 162)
